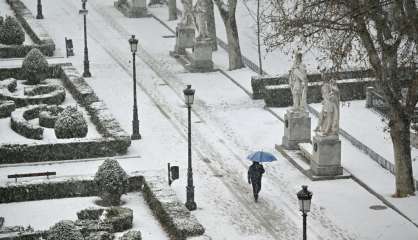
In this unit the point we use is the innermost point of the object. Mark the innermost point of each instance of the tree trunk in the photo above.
(211, 25)
(260, 63)
(400, 134)
(234, 50)
(172, 10)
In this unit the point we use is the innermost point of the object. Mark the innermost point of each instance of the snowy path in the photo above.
(227, 124)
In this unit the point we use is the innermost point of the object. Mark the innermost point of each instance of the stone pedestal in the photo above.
(201, 58)
(326, 156)
(132, 8)
(297, 129)
(184, 38)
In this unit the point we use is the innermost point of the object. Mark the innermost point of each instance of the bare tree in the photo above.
(227, 11)
(257, 17)
(260, 63)
(381, 34)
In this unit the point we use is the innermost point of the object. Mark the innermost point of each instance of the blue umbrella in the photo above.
(261, 156)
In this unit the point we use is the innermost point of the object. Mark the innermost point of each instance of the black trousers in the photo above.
(256, 183)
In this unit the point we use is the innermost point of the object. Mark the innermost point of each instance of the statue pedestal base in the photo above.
(132, 8)
(184, 39)
(297, 129)
(201, 58)
(326, 156)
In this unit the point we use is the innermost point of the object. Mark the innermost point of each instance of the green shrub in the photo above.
(70, 123)
(35, 66)
(64, 230)
(11, 33)
(112, 181)
(131, 235)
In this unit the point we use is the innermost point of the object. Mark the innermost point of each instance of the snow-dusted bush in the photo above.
(64, 230)
(11, 32)
(49, 115)
(119, 217)
(112, 181)
(35, 66)
(70, 123)
(6, 108)
(131, 235)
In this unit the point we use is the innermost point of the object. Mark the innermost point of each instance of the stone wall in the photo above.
(37, 33)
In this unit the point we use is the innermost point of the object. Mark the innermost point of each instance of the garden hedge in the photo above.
(114, 140)
(33, 28)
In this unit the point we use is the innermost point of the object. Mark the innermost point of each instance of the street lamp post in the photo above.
(39, 7)
(133, 42)
(304, 197)
(190, 203)
(84, 12)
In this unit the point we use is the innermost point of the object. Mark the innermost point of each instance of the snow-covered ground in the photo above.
(227, 125)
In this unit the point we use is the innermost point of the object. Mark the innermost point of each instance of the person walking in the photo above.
(255, 173)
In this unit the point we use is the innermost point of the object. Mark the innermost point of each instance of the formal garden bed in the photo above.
(50, 113)
(139, 196)
(23, 25)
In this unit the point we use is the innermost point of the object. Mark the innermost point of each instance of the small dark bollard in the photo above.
(173, 173)
(69, 47)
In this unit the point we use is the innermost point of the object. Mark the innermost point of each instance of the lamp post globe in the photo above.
(304, 197)
(188, 99)
(133, 43)
(83, 11)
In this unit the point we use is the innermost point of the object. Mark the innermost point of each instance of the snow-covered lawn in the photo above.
(43, 214)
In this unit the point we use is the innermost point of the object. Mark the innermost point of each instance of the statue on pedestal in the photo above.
(201, 19)
(187, 18)
(298, 82)
(329, 117)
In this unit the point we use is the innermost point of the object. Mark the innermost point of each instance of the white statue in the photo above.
(187, 18)
(201, 19)
(298, 82)
(329, 116)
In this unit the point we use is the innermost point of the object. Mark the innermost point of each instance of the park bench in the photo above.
(38, 174)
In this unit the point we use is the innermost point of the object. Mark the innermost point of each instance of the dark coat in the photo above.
(255, 172)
